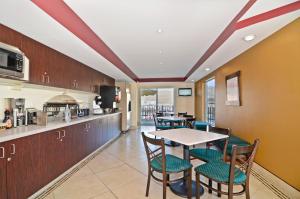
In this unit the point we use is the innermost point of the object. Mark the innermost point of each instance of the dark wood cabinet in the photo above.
(52, 157)
(27, 164)
(51, 68)
(3, 192)
(23, 166)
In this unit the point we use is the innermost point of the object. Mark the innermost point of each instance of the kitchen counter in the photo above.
(23, 131)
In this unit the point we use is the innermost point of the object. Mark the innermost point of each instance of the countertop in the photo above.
(23, 131)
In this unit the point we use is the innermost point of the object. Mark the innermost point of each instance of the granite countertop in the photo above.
(23, 131)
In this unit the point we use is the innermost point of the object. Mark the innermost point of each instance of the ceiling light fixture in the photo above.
(249, 37)
(159, 30)
(160, 63)
(207, 69)
(160, 52)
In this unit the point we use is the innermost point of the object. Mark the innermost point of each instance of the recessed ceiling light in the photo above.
(192, 80)
(160, 63)
(160, 52)
(159, 30)
(207, 69)
(249, 37)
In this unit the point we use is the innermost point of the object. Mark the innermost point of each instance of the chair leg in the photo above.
(197, 186)
(210, 186)
(148, 182)
(189, 184)
(230, 191)
(164, 186)
(247, 191)
(219, 189)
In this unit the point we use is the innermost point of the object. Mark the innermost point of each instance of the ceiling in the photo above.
(157, 40)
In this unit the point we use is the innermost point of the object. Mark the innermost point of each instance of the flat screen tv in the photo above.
(185, 92)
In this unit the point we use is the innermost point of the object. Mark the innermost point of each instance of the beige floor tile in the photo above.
(84, 171)
(82, 187)
(103, 162)
(107, 195)
(116, 177)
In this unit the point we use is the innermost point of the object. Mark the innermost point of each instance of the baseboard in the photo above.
(43, 192)
(275, 184)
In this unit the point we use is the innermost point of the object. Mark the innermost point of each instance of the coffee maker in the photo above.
(16, 107)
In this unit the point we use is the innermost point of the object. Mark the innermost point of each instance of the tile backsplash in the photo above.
(36, 96)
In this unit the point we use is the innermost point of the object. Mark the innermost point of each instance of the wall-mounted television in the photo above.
(185, 92)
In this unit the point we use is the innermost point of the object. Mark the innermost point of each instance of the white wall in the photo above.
(36, 96)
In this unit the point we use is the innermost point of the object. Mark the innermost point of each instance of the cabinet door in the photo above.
(52, 155)
(23, 168)
(37, 56)
(57, 67)
(71, 142)
(3, 193)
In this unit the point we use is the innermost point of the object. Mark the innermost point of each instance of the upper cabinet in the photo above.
(51, 68)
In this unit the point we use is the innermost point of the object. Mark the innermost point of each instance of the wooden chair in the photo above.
(235, 173)
(181, 114)
(160, 125)
(209, 155)
(166, 164)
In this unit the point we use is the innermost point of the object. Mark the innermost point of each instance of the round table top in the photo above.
(172, 118)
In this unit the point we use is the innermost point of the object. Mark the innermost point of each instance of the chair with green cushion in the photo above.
(209, 155)
(159, 125)
(165, 164)
(235, 173)
(200, 125)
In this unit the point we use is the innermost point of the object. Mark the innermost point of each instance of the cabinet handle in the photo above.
(43, 78)
(3, 152)
(58, 135)
(76, 85)
(48, 79)
(89, 125)
(8, 159)
(14, 149)
(64, 133)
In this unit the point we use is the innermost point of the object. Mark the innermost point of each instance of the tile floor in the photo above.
(119, 171)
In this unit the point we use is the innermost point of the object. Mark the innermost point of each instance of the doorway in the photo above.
(154, 100)
(210, 101)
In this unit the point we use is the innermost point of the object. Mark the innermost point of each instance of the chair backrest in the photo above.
(221, 144)
(181, 114)
(242, 158)
(156, 122)
(155, 148)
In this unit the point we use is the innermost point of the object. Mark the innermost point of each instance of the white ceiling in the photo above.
(130, 29)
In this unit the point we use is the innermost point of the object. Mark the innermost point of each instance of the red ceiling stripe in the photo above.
(268, 15)
(168, 79)
(227, 32)
(63, 14)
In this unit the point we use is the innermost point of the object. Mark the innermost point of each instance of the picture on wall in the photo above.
(233, 89)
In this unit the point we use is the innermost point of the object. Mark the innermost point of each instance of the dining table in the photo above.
(172, 120)
(187, 138)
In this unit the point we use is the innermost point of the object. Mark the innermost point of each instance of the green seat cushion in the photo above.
(206, 155)
(219, 171)
(173, 164)
(180, 127)
(163, 127)
(199, 125)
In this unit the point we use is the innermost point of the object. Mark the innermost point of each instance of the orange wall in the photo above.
(270, 92)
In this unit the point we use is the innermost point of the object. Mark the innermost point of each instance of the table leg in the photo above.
(180, 187)
(169, 142)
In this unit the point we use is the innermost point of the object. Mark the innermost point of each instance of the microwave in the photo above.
(13, 63)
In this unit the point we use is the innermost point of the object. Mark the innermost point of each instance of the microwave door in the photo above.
(3, 59)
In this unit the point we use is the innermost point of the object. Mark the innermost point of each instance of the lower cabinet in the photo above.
(3, 192)
(27, 164)
(22, 167)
